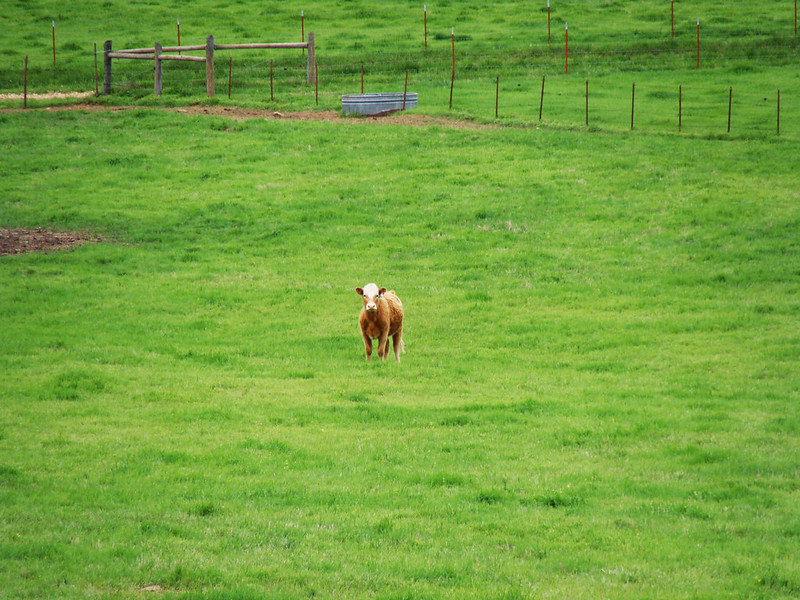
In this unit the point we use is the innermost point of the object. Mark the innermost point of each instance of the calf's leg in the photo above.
(383, 345)
(397, 344)
(368, 345)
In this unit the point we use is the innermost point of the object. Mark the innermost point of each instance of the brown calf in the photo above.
(381, 317)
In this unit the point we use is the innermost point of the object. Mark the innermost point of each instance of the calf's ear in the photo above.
(381, 291)
(359, 291)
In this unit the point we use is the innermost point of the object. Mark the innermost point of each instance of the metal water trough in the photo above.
(377, 104)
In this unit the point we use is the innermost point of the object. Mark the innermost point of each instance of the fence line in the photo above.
(773, 39)
(578, 59)
(650, 103)
(759, 122)
(157, 54)
(589, 58)
(522, 64)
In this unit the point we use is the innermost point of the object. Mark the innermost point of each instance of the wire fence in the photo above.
(585, 61)
(661, 71)
(628, 53)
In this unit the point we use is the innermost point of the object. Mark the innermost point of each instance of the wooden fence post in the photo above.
(312, 60)
(157, 70)
(106, 68)
(210, 66)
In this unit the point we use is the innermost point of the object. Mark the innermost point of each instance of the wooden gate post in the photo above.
(312, 62)
(96, 90)
(210, 66)
(106, 68)
(157, 76)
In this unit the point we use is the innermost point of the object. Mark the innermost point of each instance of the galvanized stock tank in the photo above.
(377, 104)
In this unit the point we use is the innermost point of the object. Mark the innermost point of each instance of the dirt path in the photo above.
(241, 114)
(397, 118)
(47, 95)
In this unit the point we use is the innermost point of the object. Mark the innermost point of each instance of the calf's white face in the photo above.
(370, 294)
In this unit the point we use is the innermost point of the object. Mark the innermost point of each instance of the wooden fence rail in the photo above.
(152, 56)
(165, 49)
(260, 46)
(158, 53)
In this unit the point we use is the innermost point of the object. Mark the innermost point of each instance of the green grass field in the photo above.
(599, 397)
(750, 47)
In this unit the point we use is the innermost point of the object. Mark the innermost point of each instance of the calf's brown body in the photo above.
(381, 317)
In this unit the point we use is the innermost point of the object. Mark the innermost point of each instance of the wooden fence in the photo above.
(160, 53)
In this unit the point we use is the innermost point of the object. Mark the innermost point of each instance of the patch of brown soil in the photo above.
(22, 241)
(47, 95)
(242, 114)
(395, 118)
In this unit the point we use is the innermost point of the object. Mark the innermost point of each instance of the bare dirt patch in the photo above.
(23, 241)
(395, 118)
(243, 114)
(47, 95)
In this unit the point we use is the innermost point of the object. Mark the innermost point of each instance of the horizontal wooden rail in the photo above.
(255, 46)
(153, 56)
(183, 48)
(137, 51)
(164, 49)
(216, 47)
(139, 56)
(186, 58)
(159, 53)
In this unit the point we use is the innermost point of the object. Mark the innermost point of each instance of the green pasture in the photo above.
(750, 47)
(599, 396)
(366, 29)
